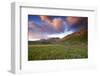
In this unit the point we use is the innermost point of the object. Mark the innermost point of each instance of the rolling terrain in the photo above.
(73, 46)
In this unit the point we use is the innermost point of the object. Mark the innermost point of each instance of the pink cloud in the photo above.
(57, 24)
(31, 25)
(73, 20)
(36, 35)
(46, 18)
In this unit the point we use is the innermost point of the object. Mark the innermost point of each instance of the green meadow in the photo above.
(57, 51)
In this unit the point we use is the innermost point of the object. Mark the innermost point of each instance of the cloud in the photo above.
(58, 24)
(31, 25)
(37, 32)
(36, 35)
(73, 20)
(46, 18)
(52, 25)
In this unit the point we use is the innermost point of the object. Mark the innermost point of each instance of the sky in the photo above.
(44, 27)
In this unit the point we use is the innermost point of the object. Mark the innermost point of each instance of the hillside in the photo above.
(82, 33)
(76, 37)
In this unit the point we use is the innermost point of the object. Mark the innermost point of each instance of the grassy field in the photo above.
(57, 51)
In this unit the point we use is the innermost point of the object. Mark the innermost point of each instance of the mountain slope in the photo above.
(77, 37)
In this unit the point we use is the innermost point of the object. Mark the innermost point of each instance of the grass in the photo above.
(57, 51)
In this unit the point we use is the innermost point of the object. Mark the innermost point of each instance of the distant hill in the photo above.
(45, 41)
